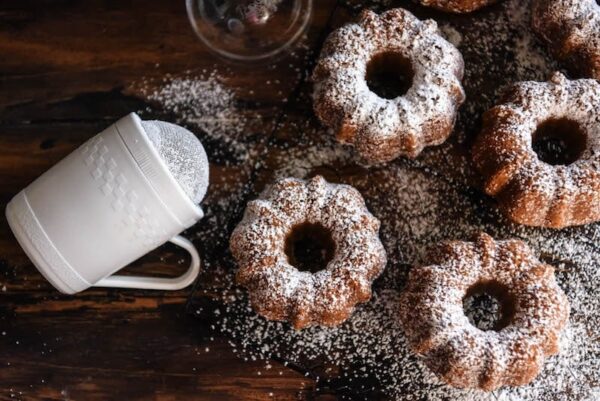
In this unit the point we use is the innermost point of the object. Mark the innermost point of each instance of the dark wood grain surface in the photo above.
(70, 68)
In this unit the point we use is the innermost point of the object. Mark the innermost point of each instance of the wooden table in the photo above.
(69, 69)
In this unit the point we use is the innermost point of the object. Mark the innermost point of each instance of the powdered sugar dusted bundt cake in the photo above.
(539, 152)
(389, 85)
(534, 310)
(572, 30)
(292, 220)
(457, 6)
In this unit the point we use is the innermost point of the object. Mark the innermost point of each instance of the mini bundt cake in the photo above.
(389, 85)
(572, 30)
(292, 220)
(457, 6)
(539, 152)
(534, 310)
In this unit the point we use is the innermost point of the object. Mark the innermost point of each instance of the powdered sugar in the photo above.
(382, 129)
(499, 49)
(542, 194)
(183, 154)
(278, 290)
(419, 203)
(483, 311)
(201, 100)
(572, 30)
(418, 209)
(436, 325)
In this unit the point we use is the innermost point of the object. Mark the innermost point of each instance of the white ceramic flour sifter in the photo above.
(126, 191)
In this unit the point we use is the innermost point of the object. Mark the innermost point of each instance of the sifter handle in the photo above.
(154, 283)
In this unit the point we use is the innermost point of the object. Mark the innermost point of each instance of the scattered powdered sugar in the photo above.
(419, 208)
(419, 204)
(483, 312)
(317, 155)
(211, 109)
(503, 35)
(202, 100)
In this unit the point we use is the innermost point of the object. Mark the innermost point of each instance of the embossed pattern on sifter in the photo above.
(421, 202)
(123, 200)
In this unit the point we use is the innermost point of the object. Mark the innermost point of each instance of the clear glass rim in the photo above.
(260, 57)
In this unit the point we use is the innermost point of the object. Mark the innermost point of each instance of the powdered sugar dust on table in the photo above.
(71, 69)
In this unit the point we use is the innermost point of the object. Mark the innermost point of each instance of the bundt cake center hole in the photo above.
(309, 247)
(559, 141)
(489, 306)
(389, 75)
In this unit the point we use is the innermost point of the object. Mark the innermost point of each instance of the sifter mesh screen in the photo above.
(183, 154)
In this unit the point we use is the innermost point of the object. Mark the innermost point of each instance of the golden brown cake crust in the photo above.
(528, 190)
(457, 6)
(571, 28)
(277, 289)
(382, 129)
(431, 309)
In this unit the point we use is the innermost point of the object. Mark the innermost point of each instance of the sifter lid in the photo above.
(180, 181)
(183, 154)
